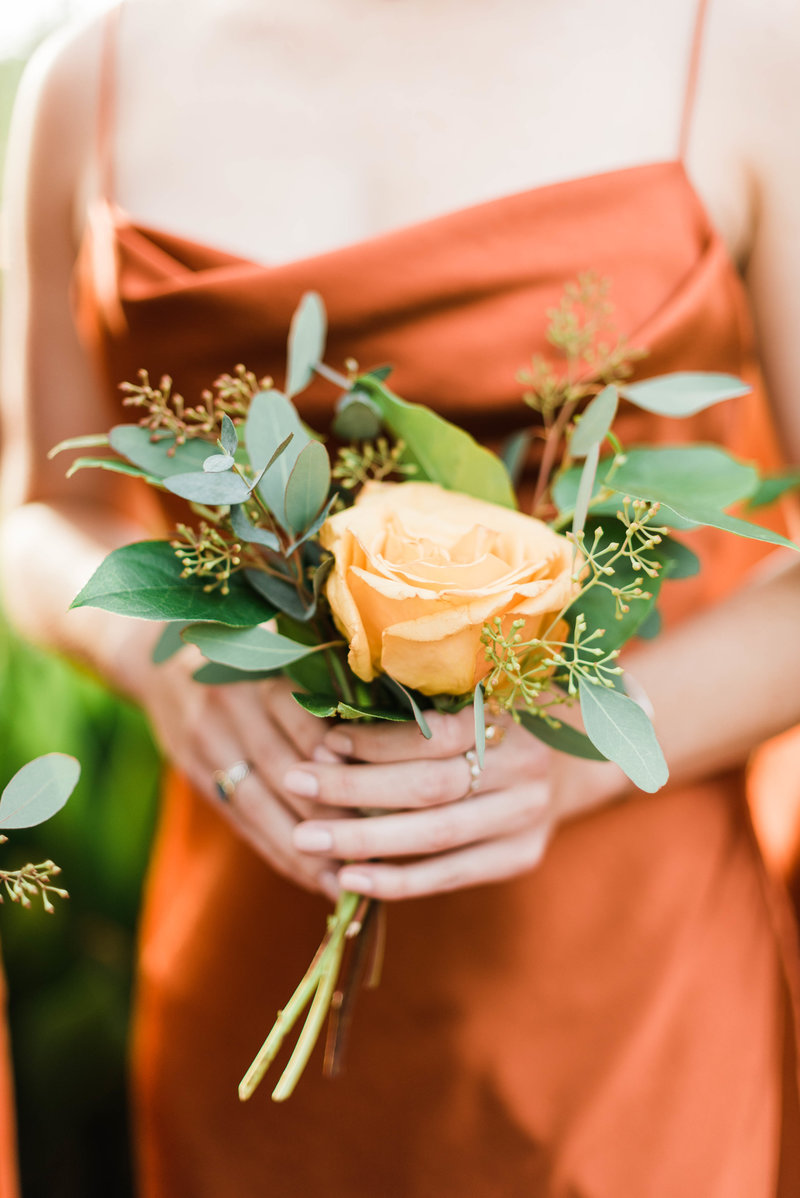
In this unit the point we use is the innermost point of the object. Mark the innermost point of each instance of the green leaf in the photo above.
(144, 580)
(622, 732)
(650, 627)
(210, 489)
(595, 422)
(307, 487)
(217, 462)
(441, 452)
(480, 723)
(228, 437)
(38, 790)
(212, 674)
(685, 478)
(354, 711)
(169, 643)
(740, 528)
(248, 532)
(564, 738)
(514, 453)
(115, 466)
(773, 486)
(272, 419)
(281, 593)
(683, 393)
(306, 346)
(160, 457)
(313, 528)
(322, 706)
(88, 441)
(357, 418)
(248, 649)
(679, 560)
(585, 487)
(407, 696)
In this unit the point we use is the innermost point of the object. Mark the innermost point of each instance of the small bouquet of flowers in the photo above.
(390, 571)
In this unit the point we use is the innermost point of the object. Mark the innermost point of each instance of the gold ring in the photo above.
(227, 780)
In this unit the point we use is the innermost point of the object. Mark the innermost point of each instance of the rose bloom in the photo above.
(419, 570)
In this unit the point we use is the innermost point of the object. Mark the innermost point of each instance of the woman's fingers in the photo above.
(451, 734)
(474, 866)
(422, 833)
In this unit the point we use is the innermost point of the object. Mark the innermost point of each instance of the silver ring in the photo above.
(227, 780)
(475, 771)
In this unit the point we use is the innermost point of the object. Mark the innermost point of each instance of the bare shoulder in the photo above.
(54, 118)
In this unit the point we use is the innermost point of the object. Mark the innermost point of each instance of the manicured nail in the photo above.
(353, 880)
(300, 782)
(339, 742)
(324, 755)
(309, 839)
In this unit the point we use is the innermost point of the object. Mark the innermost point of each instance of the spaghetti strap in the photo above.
(691, 81)
(106, 104)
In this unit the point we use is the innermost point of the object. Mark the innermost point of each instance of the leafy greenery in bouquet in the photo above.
(34, 794)
(392, 572)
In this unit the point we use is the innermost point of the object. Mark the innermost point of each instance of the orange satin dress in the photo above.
(619, 1023)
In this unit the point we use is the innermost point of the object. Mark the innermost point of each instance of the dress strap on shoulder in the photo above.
(691, 80)
(106, 103)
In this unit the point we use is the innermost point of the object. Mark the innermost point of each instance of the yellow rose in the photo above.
(418, 571)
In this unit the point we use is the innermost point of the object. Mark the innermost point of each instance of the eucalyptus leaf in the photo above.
(213, 674)
(306, 347)
(307, 486)
(228, 437)
(622, 732)
(169, 643)
(217, 462)
(357, 418)
(115, 466)
(213, 490)
(585, 488)
(564, 739)
(87, 441)
(773, 487)
(441, 452)
(679, 560)
(407, 696)
(313, 528)
(38, 790)
(650, 627)
(514, 453)
(480, 723)
(157, 453)
(144, 580)
(354, 711)
(271, 420)
(248, 532)
(251, 649)
(322, 706)
(595, 422)
(281, 593)
(684, 393)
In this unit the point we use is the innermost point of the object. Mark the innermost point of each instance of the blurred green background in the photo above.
(69, 974)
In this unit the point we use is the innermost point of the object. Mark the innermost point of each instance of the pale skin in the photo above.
(392, 146)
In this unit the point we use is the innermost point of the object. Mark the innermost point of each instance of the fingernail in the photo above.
(340, 743)
(300, 782)
(324, 755)
(353, 880)
(309, 839)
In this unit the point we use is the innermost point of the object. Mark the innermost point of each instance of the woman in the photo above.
(614, 1017)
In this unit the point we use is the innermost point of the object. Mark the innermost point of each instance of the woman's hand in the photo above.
(458, 834)
(203, 729)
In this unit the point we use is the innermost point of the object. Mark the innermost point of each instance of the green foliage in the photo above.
(245, 648)
(209, 488)
(38, 790)
(560, 736)
(595, 422)
(773, 487)
(441, 452)
(306, 345)
(157, 454)
(307, 486)
(358, 418)
(683, 393)
(622, 732)
(271, 420)
(147, 580)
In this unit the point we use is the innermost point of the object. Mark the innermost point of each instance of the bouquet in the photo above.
(389, 571)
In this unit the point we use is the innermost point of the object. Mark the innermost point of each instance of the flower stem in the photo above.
(318, 984)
